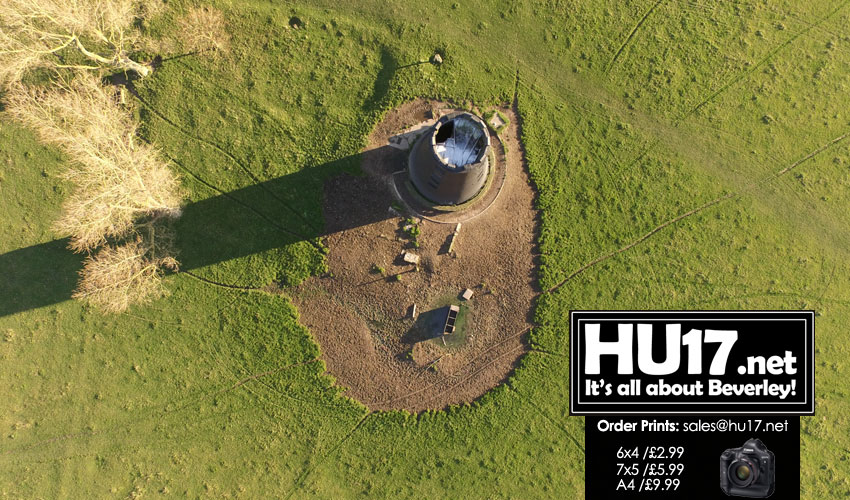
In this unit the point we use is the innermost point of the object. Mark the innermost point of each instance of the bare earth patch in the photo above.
(360, 311)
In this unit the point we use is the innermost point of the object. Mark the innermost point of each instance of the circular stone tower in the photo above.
(450, 162)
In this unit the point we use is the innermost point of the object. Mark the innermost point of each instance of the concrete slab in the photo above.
(496, 122)
(405, 139)
(410, 258)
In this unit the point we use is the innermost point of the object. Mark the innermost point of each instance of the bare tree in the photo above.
(123, 190)
(39, 33)
(124, 193)
(117, 179)
(118, 276)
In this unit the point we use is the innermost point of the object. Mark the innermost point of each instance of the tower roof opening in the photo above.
(449, 163)
(460, 141)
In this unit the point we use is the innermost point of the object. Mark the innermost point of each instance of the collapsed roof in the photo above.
(460, 141)
(449, 163)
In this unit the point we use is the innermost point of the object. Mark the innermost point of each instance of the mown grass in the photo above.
(627, 124)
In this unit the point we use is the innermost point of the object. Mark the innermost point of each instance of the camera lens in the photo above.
(742, 473)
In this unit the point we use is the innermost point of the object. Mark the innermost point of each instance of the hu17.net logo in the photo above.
(700, 362)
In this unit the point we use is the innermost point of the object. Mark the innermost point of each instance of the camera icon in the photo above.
(748, 471)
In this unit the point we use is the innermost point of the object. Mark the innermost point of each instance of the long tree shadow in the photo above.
(243, 222)
(37, 276)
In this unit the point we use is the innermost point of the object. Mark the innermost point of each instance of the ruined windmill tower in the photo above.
(450, 162)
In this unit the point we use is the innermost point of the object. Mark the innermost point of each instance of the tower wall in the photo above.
(450, 162)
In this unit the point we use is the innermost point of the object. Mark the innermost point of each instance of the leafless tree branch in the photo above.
(34, 32)
(117, 179)
(120, 275)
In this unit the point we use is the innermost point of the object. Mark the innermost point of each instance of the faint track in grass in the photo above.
(782, 295)
(759, 64)
(681, 119)
(234, 96)
(828, 283)
(548, 352)
(227, 154)
(157, 413)
(299, 481)
(552, 421)
(639, 240)
(699, 209)
(729, 84)
(236, 200)
(240, 382)
(265, 217)
(255, 376)
(174, 407)
(628, 39)
(217, 283)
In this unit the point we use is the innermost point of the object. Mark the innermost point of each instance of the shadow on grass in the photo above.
(37, 276)
(243, 222)
(381, 88)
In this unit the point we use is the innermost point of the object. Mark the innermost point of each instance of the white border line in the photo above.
(807, 321)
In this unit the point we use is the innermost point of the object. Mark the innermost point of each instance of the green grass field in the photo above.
(633, 114)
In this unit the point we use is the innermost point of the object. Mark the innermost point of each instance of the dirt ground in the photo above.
(360, 311)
